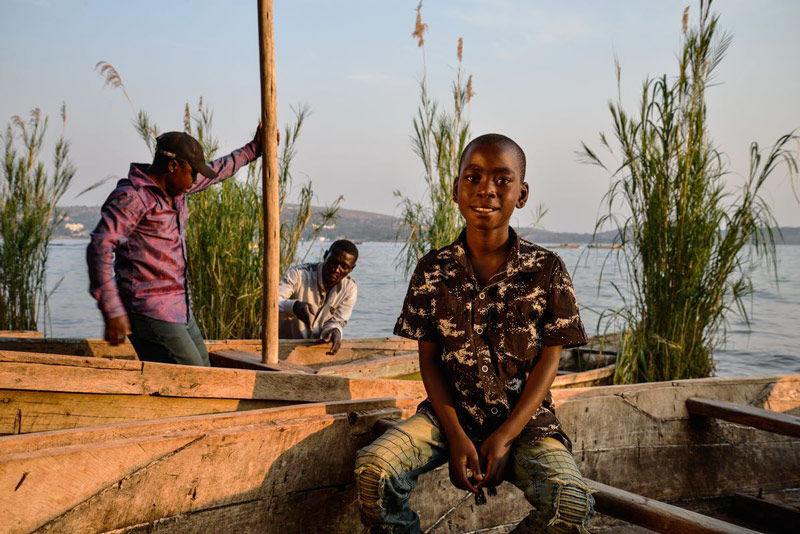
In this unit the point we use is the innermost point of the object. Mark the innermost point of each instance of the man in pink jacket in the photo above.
(137, 254)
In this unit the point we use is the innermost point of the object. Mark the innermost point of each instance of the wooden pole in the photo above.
(269, 182)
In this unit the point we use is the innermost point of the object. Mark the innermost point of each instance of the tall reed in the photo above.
(438, 139)
(29, 194)
(688, 241)
(224, 230)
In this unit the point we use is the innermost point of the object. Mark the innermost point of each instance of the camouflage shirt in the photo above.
(492, 336)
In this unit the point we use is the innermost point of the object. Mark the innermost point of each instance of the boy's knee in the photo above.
(571, 509)
(371, 474)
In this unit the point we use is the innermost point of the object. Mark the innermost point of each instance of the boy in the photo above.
(491, 313)
(137, 254)
(316, 299)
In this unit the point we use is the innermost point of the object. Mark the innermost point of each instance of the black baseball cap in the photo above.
(182, 146)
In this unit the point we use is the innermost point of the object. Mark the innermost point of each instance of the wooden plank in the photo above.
(25, 443)
(299, 351)
(21, 333)
(81, 486)
(33, 411)
(25, 371)
(238, 359)
(387, 366)
(655, 515)
(787, 425)
(595, 377)
(764, 512)
(69, 361)
(621, 433)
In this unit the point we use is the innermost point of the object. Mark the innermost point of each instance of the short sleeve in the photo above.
(416, 320)
(561, 321)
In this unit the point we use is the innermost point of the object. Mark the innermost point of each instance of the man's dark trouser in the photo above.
(163, 342)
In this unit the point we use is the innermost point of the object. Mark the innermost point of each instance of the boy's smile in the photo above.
(489, 187)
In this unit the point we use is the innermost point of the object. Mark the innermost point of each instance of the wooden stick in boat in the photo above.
(656, 515)
(779, 423)
(269, 183)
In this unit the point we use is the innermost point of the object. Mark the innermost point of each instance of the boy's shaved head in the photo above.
(497, 139)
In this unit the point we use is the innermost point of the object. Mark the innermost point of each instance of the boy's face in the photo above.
(489, 186)
(180, 178)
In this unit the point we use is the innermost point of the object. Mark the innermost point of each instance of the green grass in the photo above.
(689, 240)
(29, 194)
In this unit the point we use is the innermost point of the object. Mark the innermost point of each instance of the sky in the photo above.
(543, 73)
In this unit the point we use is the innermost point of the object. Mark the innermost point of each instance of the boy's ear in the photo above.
(523, 195)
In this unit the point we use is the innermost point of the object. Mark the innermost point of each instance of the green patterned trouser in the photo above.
(387, 471)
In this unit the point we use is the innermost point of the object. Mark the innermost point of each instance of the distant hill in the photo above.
(366, 226)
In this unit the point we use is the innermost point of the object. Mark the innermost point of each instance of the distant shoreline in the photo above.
(376, 227)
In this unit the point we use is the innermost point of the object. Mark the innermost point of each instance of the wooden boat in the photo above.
(289, 468)
(357, 358)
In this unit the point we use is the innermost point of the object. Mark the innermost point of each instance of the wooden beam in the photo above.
(21, 333)
(23, 412)
(50, 372)
(269, 183)
(742, 414)
(656, 515)
(239, 359)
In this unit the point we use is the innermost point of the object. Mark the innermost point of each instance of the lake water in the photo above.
(768, 345)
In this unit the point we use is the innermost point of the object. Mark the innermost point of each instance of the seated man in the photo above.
(316, 299)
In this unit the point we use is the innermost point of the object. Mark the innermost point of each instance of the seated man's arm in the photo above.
(333, 329)
(290, 287)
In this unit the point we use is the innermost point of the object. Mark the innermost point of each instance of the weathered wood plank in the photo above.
(595, 377)
(25, 371)
(239, 359)
(741, 414)
(198, 467)
(621, 432)
(69, 361)
(32, 411)
(299, 351)
(388, 366)
(655, 515)
(21, 333)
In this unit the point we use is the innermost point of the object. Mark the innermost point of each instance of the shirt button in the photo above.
(494, 411)
(485, 368)
(479, 329)
(482, 295)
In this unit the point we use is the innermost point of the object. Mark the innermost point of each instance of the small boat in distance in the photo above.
(610, 246)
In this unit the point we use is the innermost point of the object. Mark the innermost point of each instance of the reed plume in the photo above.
(438, 139)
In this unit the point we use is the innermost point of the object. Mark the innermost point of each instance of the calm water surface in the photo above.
(768, 345)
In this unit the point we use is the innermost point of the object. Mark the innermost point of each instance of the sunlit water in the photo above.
(769, 345)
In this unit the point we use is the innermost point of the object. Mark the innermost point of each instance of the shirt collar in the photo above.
(520, 258)
(138, 178)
